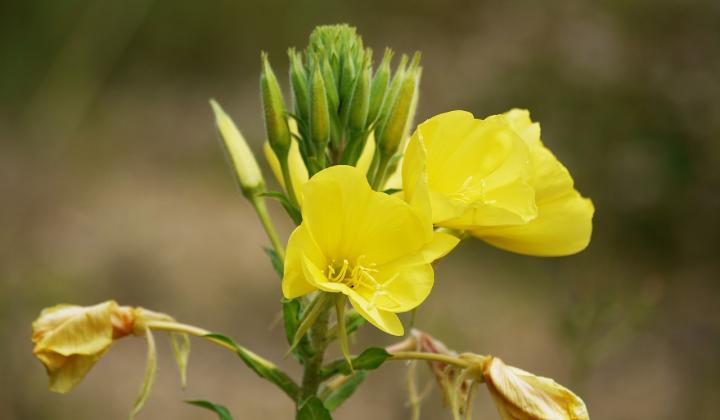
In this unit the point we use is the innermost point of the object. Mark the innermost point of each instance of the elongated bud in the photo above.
(274, 109)
(360, 103)
(402, 111)
(379, 86)
(299, 84)
(246, 168)
(319, 114)
(330, 86)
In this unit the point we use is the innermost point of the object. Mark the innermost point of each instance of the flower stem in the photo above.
(259, 204)
(433, 357)
(318, 341)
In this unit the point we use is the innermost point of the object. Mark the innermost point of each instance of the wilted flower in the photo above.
(494, 179)
(372, 247)
(520, 395)
(70, 339)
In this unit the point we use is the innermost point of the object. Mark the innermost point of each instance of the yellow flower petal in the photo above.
(368, 152)
(384, 320)
(298, 170)
(300, 245)
(564, 222)
(520, 395)
(476, 171)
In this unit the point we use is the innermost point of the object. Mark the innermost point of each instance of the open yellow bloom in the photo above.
(520, 395)
(298, 170)
(495, 179)
(374, 248)
(70, 339)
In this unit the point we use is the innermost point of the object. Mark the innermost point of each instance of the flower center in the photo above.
(359, 276)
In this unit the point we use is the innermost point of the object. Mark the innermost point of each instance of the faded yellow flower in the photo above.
(70, 339)
(520, 395)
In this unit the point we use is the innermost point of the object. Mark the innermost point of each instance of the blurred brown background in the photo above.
(112, 185)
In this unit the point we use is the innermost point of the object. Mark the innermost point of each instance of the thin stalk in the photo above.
(259, 204)
(433, 357)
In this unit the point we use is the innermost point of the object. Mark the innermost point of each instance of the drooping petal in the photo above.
(70, 339)
(384, 320)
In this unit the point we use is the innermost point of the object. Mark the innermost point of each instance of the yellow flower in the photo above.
(298, 170)
(520, 395)
(69, 339)
(496, 180)
(372, 247)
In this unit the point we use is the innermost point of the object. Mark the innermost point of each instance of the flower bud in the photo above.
(246, 168)
(276, 123)
(379, 86)
(70, 339)
(319, 116)
(402, 111)
(520, 395)
(299, 84)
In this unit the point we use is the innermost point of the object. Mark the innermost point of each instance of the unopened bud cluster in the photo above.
(339, 98)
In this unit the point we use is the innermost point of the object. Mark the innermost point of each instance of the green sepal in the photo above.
(276, 124)
(307, 319)
(261, 366)
(344, 391)
(150, 373)
(313, 409)
(299, 85)
(222, 412)
(180, 344)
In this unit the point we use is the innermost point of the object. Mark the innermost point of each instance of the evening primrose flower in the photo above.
(496, 180)
(372, 247)
(520, 395)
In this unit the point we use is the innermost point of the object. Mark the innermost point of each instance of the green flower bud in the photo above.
(299, 84)
(379, 86)
(276, 123)
(402, 111)
(319, 116)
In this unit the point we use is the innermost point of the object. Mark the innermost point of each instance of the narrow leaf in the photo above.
(263, 367)
(275, 260)
(344, 391)
(313, 409)
(150, 371)
(181, 351)
(222, 412)
(307, 319)
(370, 359)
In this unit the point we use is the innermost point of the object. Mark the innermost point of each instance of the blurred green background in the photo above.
(113, 185)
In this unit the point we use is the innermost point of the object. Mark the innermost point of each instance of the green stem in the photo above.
(289, 187)
(381, 171)
(313, 364)
(259, 204)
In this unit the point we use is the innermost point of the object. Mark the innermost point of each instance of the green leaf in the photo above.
(263, 367)
(344, 391)
(275, 260)
(290, 209)
(222, 412)
(150, 371)
(370, 359)
(313, 409)
(391, 191)
(181, 351)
